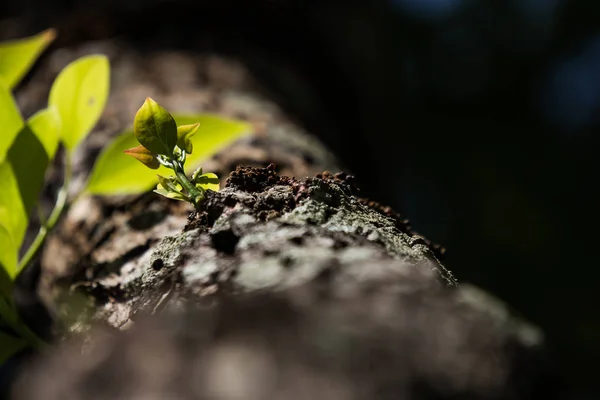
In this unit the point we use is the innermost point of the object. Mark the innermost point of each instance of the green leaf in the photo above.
(12, 122)
(168, 184)
(46, 126)
(184, 134)
(13, 215)
(155, 128)
(22, 171)
(79, 94)
(208, 181)
(8, 261)
(19, 55)
(115, 173)
(169, 188)
(196, 174)
(18, 332)
(144, 156)
(171, 195)
(10, 345)
(8, 313)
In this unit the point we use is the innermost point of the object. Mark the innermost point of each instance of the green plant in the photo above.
(19, 55)
(27, 147)
(164, 143)
(117, 173)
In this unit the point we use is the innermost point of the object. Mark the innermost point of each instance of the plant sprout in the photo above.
(164, 143)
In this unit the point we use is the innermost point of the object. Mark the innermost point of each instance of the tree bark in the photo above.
(275, 287)
(293, 288)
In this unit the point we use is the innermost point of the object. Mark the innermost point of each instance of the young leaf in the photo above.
(144, 156)
(11, 120)
(196, 174)
(22, 171)
(19, 55)
(208, 181)
(184, 134)
(155, 128)
(171, 195)
(114, 173)
(79, 94)
(168, 185)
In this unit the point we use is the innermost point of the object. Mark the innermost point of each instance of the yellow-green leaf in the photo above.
(13, 215)
(184, 134)
(144, 156)
(116, 173)
(10, 118)
(171, 195)
(22, 171)
(8, 261)
(17, 56)
(46, 125)
(155, 128)
(208, 181)
(79, 94)
(167, 184)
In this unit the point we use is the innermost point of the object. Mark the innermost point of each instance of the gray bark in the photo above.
(286, 288)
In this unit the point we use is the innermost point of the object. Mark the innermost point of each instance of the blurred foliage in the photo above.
(19, 55)
(27, 148)
(477, 118)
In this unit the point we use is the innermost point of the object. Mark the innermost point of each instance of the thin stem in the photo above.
(192, 190)
(59, 206)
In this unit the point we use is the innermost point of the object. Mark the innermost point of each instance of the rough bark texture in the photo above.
(262, 232)
(286, 288)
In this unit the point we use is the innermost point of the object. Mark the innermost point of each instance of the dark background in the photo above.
(478, 119)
